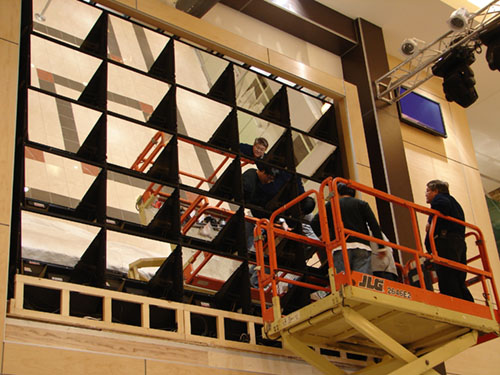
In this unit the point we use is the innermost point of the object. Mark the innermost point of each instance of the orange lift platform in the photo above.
(411, 329)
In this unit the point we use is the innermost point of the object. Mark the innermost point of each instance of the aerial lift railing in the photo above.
(271, 274)
(154, 191)
(268, 273)
(482, 274)
(417, 69)
(195, 209)
(153, 148)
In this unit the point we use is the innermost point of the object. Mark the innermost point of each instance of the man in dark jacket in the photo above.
(449, 238)
(357, 216)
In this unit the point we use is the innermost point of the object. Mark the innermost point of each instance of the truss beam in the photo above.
(417, 69)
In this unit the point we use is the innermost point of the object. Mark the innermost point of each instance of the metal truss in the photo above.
(417, 69)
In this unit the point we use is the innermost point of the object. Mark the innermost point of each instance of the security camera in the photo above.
(409, 47)
(459, 19)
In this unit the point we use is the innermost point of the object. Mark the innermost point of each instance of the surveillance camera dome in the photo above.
(409, 47)
(459, 19)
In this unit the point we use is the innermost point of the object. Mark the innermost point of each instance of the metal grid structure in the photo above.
(417, 69)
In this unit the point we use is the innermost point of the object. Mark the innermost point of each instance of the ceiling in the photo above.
(426, 20)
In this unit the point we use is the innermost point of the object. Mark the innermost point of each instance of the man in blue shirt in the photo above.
(449, 238)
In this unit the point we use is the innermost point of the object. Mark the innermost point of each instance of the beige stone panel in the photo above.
(352, 129)
(424, 165)
(430, 142)
(462, 149)
(482, 359)
(421, 167)
(161, 368)
(4, 260)
(364, 176)
(480, 216)
(39, 360)
(84, 340)
(259, 363)
(8, 101)
(10, 20)
(305, 75)
(199, 31)
(465, 186)
(129, 3)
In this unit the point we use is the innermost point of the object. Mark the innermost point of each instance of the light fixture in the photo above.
(459, 19)
(491, 38)
(458, 77)
(410, 46)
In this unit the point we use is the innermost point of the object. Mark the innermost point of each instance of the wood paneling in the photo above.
(39, 360)
(479, 360)
(307, 76)
(154, 356)
(9, 61)
(102, 342)
(162, 368)
(309, 21)
(352, 126)
(260, 363)
(130, 3)
(10, 20)
(8, 77)
(198, 30)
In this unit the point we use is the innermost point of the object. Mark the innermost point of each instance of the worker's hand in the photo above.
(382, 253)
(285, 226)
(427, 227)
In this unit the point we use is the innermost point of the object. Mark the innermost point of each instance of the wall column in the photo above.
(362, 66)
(10, 13)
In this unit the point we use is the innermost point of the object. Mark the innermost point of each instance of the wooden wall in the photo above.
(34, 348)
(9, 50)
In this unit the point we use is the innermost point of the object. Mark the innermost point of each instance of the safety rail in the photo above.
(153, 196)
(193, 277)
(269, 273)
(152, 149)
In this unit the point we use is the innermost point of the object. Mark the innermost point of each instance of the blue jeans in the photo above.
(359, 259)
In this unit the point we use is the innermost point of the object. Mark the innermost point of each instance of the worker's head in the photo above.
(259, 148)
(434, 187)
(343, 189)
(266, 173)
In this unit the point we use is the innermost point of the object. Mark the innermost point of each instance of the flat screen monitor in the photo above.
(421, 112)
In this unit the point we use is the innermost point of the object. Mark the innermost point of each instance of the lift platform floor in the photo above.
(409, 328)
